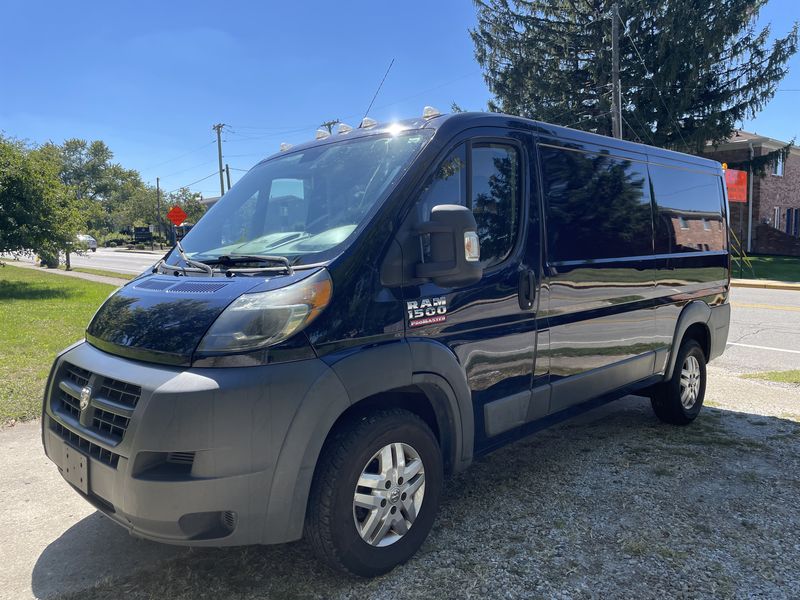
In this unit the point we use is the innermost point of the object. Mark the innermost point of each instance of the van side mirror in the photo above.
(455, 249)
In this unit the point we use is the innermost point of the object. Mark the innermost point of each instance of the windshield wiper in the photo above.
(193, 263)
(282, 262)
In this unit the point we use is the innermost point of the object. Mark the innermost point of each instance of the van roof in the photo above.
(465, 120)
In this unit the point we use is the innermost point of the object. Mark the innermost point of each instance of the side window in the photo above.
(598, 205)
(689, 205)
(495, 199)
(486, 178)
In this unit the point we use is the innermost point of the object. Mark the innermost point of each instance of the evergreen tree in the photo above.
(690, 70)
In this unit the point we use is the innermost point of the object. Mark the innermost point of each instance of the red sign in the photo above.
(736, 182)
(177, 215)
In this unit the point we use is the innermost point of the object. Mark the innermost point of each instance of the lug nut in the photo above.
(403, 496)
(400, 481)
(388, 484)
(383, 502)
(394, 509)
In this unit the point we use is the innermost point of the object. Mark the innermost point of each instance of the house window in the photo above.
(789, 220)
(777, 166)
(796, 222)
(706, 225)
(776, 218)
(684, 223)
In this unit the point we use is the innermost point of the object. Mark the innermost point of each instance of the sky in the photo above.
(151, 78)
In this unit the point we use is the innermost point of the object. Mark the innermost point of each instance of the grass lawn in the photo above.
(792, 376)
(102, 272)
(780, 268)
(40, 314)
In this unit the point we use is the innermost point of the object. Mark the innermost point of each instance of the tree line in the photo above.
(50, 193)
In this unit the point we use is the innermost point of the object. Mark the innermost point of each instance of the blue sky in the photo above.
(151, 78)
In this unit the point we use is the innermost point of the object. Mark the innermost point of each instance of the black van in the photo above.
(363, 315)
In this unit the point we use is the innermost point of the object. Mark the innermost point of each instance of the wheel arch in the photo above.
(422, 377)
(692, 324)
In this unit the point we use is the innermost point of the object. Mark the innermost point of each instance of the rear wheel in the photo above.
(375, 493)
(679, 400)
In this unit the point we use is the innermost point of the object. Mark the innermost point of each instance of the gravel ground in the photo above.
(612, 504)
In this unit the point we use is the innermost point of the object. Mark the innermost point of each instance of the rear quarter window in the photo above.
(688, 210)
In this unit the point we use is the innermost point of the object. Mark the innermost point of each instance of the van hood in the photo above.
(162, 319)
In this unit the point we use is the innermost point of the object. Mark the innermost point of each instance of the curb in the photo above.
(119, 282)
(765, 284)
(152, 252)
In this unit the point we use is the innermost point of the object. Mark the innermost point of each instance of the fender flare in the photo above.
(352, 376)
(694, 312)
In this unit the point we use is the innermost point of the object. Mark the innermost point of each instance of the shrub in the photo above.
(140, 246)
(48, 259)
(112, 244)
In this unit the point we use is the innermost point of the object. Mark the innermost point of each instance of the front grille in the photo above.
(84, 445)
(69, 404)
(77, 375)
(121, 392)
(109, 423)
(101, 416)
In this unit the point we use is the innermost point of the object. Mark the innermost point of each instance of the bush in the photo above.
(113, 242)
(140, 246)
(48, 259)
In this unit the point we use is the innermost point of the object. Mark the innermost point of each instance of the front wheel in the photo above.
(375, 493)
(679, 400)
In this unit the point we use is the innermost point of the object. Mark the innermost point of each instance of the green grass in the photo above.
(792, 376)
(102, 272)
(40, 314)
(780, 268)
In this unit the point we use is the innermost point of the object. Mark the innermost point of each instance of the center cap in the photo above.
(394, 495)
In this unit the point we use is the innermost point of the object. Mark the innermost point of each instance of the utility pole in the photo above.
(329, 124)
(616, 96)
(228, 174)
(158, 206)
(218, 128)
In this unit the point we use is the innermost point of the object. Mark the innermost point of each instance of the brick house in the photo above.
(773, 227)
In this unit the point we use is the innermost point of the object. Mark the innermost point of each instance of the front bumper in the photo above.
(183, 456)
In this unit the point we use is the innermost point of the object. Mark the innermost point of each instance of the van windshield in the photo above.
(307, 204)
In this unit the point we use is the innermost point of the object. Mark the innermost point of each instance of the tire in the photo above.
(353, 454)
(679, 400)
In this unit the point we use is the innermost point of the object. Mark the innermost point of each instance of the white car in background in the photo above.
(87, 241)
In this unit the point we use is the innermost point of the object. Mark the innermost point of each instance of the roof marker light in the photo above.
(429, 112)
(322, 134)
(366, 123)
(285, 146)
(344, 128)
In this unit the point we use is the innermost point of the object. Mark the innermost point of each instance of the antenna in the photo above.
(380, 85)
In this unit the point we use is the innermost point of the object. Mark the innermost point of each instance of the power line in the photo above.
(191, 184)
(202, 164)
(587, 117)
(650, 76)
(204, 146)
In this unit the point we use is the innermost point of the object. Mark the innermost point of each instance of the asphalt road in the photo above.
(765, 331)
(109, 259)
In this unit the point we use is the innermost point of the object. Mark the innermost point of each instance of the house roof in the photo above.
(742, 140)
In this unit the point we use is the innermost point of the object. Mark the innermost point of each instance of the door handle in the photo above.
(527, 289)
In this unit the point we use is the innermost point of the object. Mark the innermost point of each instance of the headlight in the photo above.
(267, 318)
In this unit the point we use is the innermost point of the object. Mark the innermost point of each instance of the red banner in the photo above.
(736, 182)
